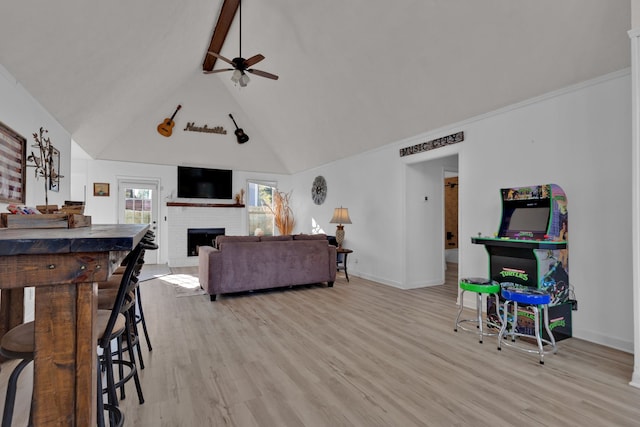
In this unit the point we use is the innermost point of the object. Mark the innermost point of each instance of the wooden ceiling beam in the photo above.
(227, 13)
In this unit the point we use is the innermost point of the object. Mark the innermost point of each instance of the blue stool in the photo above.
(533, 299)
(478, 286)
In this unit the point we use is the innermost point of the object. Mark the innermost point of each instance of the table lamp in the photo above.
(340, 216)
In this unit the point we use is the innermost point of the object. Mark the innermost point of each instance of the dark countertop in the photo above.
(96, 238)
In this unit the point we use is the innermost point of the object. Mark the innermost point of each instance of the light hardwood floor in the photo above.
(359, 354)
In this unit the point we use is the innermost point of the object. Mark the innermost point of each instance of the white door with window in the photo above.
(138, 204)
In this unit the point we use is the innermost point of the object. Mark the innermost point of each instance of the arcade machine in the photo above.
(530, 249)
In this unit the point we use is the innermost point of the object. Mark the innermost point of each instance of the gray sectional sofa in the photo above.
(244, 263)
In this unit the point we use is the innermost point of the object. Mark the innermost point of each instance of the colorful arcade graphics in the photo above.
(530, 249)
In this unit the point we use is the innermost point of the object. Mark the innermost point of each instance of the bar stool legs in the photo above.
(140, 319)
(148, 242)
(478, 286)
(533, 299)
(12, 388)
(19, 344)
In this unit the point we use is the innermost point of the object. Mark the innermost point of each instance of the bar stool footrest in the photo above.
(487, 325)
(529, 347)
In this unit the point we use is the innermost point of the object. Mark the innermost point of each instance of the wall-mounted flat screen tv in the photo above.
(203, 183)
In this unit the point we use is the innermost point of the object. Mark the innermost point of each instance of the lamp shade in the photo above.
(340, 216)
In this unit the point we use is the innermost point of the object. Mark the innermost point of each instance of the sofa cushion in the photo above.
(310, 237)
(249, 265)
(223, 239)
(286, 237)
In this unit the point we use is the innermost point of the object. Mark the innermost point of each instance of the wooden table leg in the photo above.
(65, 358)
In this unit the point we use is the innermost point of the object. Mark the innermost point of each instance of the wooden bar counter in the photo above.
(63, 265)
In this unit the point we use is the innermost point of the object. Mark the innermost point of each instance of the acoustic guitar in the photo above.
(166, 127)
(240, 135)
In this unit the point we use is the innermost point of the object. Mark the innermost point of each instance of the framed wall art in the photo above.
(101, 189)
(54, 179)
(12, 165)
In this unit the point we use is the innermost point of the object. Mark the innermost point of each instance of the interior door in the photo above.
(138, 204)
(451, 212)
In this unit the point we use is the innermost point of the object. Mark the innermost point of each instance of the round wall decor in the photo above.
(319, 190)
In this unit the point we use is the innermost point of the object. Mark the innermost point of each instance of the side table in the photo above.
(342, 265)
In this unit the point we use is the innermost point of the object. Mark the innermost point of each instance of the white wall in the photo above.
(104, 210)
(371, 187)
(20, 112)
(578, 138)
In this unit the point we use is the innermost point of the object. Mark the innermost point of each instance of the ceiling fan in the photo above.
(241, 66)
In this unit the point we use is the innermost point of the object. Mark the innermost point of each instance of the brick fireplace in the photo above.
(197, 237)
(184, 216)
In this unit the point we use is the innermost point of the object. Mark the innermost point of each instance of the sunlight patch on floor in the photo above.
(183, 280)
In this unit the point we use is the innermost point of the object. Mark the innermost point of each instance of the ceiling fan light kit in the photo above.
(240, 65)
(235, 77)
(239, 77)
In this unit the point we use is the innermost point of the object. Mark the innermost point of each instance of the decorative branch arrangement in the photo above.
(283, 215)
(239, 198)
(44, 162)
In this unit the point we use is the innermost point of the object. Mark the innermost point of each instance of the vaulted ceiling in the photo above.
(354, 75)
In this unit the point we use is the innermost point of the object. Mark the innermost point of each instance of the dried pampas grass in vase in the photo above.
(283, 215)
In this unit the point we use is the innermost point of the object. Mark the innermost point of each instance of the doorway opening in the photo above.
(451, 187)
(426, 237)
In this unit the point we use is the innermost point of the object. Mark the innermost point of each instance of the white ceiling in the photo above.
(354, 75)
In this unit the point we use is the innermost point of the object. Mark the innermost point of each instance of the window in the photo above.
(259, 203)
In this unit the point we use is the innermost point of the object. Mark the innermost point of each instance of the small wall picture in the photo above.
(101, 189)
(54, 179)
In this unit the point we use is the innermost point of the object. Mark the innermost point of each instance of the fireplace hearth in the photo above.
(197, 237)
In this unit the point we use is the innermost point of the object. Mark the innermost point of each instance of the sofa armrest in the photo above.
(209, 268)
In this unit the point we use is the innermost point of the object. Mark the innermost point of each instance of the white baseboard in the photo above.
(605, 340)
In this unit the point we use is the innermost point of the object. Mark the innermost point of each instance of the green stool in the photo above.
(478, 286)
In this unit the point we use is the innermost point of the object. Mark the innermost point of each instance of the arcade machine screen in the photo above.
(522, 220)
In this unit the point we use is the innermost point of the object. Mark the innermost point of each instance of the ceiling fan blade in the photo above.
(263, 74)
(218, 71)
(217, 55)
(253, 60)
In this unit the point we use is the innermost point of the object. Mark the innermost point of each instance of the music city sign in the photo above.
(434, 143)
